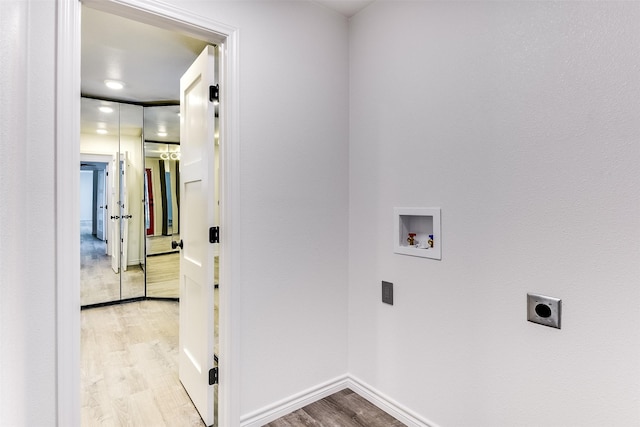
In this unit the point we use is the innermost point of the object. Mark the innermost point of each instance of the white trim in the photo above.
(169, 17)
(293, 403)
(67, 197)
(390, 406)
(230, 214)
(67, 217)
(97, 158)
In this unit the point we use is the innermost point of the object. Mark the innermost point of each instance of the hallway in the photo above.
(98, 282)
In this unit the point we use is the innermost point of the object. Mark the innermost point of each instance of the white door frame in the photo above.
(106, 159)
(68, 197)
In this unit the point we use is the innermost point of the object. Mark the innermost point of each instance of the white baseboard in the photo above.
(388, 405)
(290, 404)
(285, 406)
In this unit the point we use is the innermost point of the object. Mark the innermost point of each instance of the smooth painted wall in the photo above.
(294, 201)
(27, 214)
(86, 195)
(293, 86)
(521, 121)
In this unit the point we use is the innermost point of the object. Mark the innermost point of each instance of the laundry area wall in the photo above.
(520, 121)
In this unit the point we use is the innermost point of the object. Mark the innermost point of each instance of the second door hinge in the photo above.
(213, 376)
(214, 93)
(214, 235)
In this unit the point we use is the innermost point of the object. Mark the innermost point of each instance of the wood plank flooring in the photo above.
(163, 275)
(342, 409)
(129, 375)
(129, 367)
(161, 244)
(98, 281)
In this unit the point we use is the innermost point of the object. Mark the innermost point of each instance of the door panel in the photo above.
(197, 192)
(114, 216)
(149, 225)
(102, 201)
(124, 210)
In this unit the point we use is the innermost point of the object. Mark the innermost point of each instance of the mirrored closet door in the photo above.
(162, 196)
(112, 228)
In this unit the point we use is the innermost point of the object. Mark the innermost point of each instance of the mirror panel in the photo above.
(131, 202)
(162, 195)
(111, 193)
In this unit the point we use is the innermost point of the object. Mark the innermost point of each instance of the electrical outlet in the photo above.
(544, 310)
(387, 292)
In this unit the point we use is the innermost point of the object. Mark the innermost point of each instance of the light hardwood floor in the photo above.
(161, 244)
(163, 275)
(129, 372)
(98, 281)
(129, 375)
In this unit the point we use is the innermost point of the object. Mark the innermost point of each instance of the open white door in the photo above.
(124, 209)
(197, 215)
(100, 206)
(113, 246)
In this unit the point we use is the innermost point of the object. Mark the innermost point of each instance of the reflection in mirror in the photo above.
(112, 233)
(162, 199)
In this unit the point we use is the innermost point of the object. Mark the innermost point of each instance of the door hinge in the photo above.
(213, 376)
(214, 93)
(214, 235)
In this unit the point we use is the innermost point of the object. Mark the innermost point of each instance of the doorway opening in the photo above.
(170, 216)
(68, 42)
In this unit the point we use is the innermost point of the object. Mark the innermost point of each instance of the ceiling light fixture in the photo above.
(174, 155)
(114, 84)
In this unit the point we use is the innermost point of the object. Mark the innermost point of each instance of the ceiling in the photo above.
(148, 60)
(347, 8)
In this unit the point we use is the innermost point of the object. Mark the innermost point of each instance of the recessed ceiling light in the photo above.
(102, 131)
(106, 109)
(114, 84)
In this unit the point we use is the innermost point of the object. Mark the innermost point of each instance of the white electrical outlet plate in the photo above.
(544, 310)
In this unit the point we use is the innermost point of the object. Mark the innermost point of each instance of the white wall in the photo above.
(294, 201)
(86, 195)
(27, 208)
(520, 120)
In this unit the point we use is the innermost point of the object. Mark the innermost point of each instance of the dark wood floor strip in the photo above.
(342, 409)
